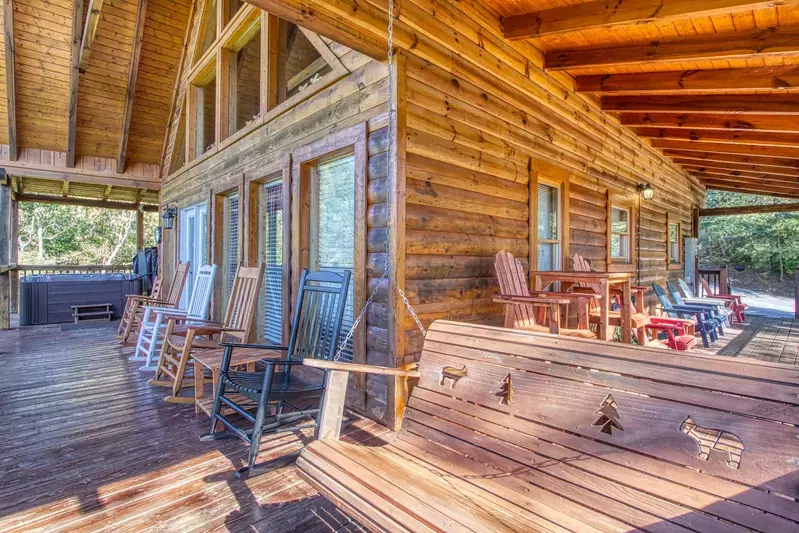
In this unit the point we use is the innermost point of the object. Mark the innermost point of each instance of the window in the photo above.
(245, 80)
(332, 226)
(620, 234)
(233, 7)
(271, 252)
(675, 253)
(230, 244)
(300, 64)
(207, 27)
(549, 239)
(203, 108)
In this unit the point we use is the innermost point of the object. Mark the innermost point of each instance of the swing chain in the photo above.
(391, 146)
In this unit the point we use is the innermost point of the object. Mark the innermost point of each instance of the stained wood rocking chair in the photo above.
(522, 308)
(291, 395)
(153, 322)
(131, 318)
(186, 336)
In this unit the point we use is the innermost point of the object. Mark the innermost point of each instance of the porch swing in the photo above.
(291, 395)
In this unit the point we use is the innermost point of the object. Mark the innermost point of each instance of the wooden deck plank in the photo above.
(88, 445)
(772, 340)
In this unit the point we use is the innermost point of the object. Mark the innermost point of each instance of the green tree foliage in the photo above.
(767, 243)
(71, 235)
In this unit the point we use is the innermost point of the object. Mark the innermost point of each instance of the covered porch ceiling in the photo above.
(64, 191)
(714, 85)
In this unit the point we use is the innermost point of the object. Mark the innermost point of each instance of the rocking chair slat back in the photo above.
(158, 285)
(318, 315)
(243, 299)
(513, 282)
(581, 264)
(199, 304)
(178, 283)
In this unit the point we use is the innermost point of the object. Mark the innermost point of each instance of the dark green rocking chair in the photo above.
(285, 400)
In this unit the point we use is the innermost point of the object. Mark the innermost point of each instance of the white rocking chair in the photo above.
(155, 319)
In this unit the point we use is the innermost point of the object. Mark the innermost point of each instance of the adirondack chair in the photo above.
(153, 323)
(738, 307)
(717, 308)
(706, 325)
(639, 319)
(726, 306)
(292, 395)
(184, 337)
(521, 307)
(133, 308)
(513, 431)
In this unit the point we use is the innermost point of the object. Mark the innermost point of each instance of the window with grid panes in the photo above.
(333, 227)
(620, 234)
(548, 227)
(272, 255)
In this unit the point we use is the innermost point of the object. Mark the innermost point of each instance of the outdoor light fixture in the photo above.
(646, 191)
(168, 216)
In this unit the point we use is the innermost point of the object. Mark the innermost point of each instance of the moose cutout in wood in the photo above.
(609, 416)
(450, 372)
(714, 439)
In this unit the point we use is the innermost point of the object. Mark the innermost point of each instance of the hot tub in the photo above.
(48, 298)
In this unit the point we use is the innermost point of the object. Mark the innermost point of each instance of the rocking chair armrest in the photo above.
(257, 346)
(355, 367)
(177, 318)
(565, 295)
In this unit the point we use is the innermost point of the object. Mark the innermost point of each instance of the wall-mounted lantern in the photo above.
(168, 215)
(646, 191)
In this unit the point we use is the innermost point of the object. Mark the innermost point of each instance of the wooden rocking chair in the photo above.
(521, 307)
(292, 396)
(152, 325)
(133, 307)
(185, 336)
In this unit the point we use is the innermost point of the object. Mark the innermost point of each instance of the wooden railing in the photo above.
(26, 270)
(717, 278)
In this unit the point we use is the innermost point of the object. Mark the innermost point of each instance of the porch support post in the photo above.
(5, 234)
(723, 280)
(13, 254)
(139, 229)
(796, 294)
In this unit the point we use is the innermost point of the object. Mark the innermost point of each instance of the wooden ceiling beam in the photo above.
(733, 136)
(601, 14)
(754, 188)
(703, 165)
(742, 149)
(133, 71)
(750, 191)
(743, 177)
(738, 45)
(779, 162)
(748, 209)
(692, 81)
(45, 199)
(11, 84)
(92, 19)
(728, 104)
(74, 61)
(711, 121)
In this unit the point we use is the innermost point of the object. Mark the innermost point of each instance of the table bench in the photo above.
(517, 431)
(92, 311)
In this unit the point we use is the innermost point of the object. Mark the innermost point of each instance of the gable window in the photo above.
(245, 83)
(202, 111)
(300, 64)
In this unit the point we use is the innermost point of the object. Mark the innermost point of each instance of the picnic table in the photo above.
(603, 283)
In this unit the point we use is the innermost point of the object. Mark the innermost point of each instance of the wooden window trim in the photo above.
(673, 218)
(350, 140)
(629, 205)
(548, 174)
(253, 182)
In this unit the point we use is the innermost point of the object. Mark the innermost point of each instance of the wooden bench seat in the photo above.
(518, 431)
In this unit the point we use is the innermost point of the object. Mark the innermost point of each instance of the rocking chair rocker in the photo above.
(294, 394)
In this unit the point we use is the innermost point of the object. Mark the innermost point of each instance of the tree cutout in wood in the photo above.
(452, 373)
(609, 416)
(506, 392)
(714, 439)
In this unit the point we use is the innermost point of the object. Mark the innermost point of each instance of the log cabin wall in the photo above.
(355, 98)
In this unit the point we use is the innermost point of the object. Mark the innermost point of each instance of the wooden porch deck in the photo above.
(768, 339)
(87, 445)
